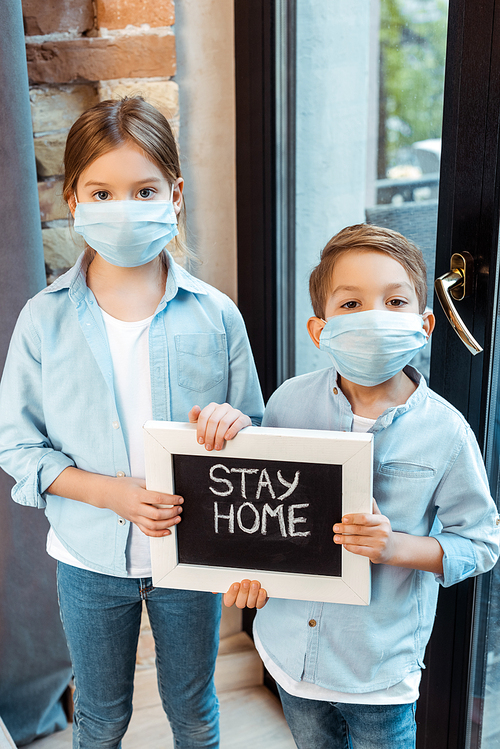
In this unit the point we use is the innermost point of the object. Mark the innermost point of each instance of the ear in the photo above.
(72, 204)
(314, 327)
(429, 323)
(177, 196)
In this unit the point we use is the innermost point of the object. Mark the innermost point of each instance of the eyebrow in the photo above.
(148, 180)
(388, 287)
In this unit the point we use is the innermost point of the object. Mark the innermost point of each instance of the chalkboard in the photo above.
(259, 514)
(261, 508)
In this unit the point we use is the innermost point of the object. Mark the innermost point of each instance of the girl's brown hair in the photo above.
(367, 237)
(112, 123)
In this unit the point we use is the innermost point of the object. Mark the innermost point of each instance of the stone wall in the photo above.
(80, 52)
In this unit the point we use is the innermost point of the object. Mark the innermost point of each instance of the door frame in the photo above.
(467, 221)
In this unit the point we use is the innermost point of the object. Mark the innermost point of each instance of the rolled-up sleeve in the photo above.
(26, 452)
(469, 534)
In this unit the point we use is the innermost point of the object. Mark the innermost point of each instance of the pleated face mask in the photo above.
(370, 347)
(127, 233)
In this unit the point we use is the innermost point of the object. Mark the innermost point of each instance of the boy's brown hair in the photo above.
(367, 237)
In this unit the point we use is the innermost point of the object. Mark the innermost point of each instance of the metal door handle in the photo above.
(457, 284)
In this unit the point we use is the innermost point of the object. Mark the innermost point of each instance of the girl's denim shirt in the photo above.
(57, 401)
(429, 479)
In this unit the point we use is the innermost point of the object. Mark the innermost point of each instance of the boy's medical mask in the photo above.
(127, 233)
(371, 347)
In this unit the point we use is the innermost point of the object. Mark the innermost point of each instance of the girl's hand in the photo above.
(247, 593)
(149, 511)
(153, 512)
(216, 423)
(368, 535)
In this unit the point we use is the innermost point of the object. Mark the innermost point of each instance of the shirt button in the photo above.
(116, 424)
(335, 391)
(312, 622)
(121, 521)
(120, 474)
(498, 520)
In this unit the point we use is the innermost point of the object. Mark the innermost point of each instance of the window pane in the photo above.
(484, 698)
(369, 95)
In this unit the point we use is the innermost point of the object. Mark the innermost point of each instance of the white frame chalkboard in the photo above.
(351, 450)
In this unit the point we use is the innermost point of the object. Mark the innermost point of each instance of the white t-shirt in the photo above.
(403, 693)
(129, 347)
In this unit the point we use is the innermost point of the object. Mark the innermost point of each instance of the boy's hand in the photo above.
(369, 535)
(216, 423)
(247, 593)
(372, 537)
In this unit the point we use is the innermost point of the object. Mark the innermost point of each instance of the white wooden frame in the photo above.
(351, 450)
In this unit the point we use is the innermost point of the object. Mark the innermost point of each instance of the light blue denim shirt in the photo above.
(429, 479)
(57, 401)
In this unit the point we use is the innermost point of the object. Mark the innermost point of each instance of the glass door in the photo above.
(483, 725)
(384, 111)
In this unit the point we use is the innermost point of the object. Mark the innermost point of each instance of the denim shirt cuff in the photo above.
(459, 558)
(30, 489)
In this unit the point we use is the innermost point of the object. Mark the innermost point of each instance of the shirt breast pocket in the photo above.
(397, 469)
(201, 360)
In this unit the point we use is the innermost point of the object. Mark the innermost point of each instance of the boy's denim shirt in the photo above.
(57, 402)
(429, 479)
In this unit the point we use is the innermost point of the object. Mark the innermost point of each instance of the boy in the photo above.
(348, 676)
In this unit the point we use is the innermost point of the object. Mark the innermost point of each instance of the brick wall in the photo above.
(80, 52)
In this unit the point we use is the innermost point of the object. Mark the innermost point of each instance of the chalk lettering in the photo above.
(243, 471)
(278, 512)
(256, 524)
(291, 487)
(264, 480)
(292, 521)
(229, 517)
(230, 487)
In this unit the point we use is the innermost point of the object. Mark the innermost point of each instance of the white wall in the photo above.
(204, 32)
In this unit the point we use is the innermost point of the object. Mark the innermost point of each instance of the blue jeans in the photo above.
(337, 725)
(101, 616)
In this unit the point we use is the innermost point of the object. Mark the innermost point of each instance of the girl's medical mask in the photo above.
(371, 347)
(127, 233)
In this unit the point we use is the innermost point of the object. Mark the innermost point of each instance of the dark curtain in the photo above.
(34, 662)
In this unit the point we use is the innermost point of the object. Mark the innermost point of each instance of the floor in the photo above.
(251, 716)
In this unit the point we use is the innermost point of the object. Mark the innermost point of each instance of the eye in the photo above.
(101, 195)
(145, 193)
(350, 305)
(397, 302)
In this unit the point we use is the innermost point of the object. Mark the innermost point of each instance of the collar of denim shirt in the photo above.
(75, 281)
(387, 417)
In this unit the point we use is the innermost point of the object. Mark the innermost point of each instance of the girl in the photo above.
(124, 336)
